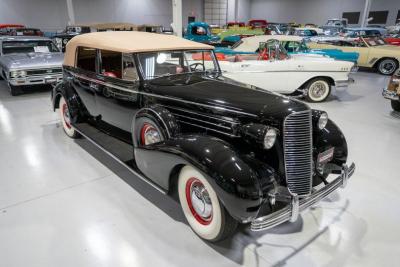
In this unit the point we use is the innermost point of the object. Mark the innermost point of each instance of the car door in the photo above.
(117, 97)
(84, 78)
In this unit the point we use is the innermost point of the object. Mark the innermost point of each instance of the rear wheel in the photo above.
(387, 66)
(15, 90)
(66, 119)
(204, 212)
(395, 105)
(318, 90)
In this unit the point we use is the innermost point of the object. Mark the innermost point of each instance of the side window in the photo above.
(86, 59)
(129, 71)
(111, 64)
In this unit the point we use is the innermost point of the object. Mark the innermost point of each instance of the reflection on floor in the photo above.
(66, 203)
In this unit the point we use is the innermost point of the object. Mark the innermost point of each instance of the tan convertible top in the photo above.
(128, 42)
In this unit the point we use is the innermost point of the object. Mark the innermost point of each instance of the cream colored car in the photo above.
(374, 52)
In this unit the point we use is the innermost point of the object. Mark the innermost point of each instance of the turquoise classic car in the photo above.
(293, 45)
(201, 32)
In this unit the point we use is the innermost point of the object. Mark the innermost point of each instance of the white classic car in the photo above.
(301, 75)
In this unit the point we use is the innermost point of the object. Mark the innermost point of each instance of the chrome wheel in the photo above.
(387, 66)
(66, 115)
(199, 201)
(149, 135)
(318, 90)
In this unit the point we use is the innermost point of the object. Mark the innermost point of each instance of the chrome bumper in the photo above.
(34, 80)
(343, 84)
(390, 94)
(297, 205)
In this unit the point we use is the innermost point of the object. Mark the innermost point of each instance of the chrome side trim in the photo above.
(207, 122)
(159, 96)
(210, 129)
(143, 178)
(296, 207)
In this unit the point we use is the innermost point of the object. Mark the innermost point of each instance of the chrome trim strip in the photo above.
(143, 178)
(287, 213)
(159, 96)
(200, 114)
(225, 127)
(231, 135)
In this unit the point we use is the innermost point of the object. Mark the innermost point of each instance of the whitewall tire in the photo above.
(318, 90)
(65, 119)
(202, 208)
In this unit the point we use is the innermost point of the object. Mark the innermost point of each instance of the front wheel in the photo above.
(387, 66)
(66, 119)
(318, 90)
(395, 105)
(15, 90)
(204, 212)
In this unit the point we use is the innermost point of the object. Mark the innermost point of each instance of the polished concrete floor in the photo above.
(65, 203)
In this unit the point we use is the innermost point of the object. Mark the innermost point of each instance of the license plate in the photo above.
(325, 156)
(51, 80)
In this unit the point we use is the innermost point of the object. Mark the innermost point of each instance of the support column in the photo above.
(367, 8)
(177, 17)
(71, 14)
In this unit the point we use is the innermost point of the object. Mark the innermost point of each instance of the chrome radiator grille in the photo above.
(297, 144)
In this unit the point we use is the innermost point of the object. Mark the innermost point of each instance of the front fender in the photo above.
(331, 136)
(234, 177)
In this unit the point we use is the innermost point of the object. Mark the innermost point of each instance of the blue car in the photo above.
(293, 45)
(200, 32)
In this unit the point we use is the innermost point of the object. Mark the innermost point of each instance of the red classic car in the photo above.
(235, 24)
(393, 40)
(5, 28)
(25, 32)
(257, 23)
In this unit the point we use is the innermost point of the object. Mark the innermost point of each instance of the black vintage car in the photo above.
(231, 154)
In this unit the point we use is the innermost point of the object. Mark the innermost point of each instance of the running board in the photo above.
(117, 149)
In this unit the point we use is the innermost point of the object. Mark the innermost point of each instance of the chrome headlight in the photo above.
(17, 74)
(323, 120)
(270, 138)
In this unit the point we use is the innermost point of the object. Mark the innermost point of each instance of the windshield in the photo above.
(15, 47)
(159, 64)
(272, 49)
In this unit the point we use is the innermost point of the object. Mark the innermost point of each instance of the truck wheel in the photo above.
(204, 212)
(395, 105)
(66, 119)
(387, 66)
(318, 90)
(15, 90)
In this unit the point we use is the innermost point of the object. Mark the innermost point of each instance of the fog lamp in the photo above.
(323, 120)
(270, 138)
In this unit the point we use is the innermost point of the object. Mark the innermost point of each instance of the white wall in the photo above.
(44, 14)
(52, 14)
(316, 11)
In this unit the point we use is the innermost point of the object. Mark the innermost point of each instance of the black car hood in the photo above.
(224, 96)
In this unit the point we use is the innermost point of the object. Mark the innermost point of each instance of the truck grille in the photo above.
(44, 71)
(297, 145)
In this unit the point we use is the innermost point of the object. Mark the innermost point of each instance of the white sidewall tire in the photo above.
(324, 96)
(212, 230)
(70, 131)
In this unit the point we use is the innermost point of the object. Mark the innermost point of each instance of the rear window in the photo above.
(86, 59)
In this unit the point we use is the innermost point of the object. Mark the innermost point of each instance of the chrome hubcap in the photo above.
(199, 201)
(387, 66)
(149, 135)
(318, 89)
(67, 118)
